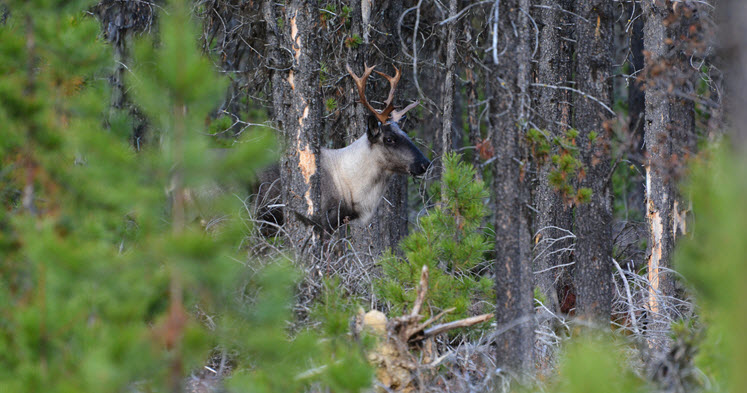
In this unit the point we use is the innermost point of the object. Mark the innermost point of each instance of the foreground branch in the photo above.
(397, 367)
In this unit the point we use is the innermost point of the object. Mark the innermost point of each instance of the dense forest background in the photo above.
(582, 227)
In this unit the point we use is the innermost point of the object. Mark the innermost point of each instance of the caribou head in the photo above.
(386, 138)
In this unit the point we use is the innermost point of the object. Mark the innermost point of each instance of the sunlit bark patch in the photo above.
(654, 259)
(296, 39)
(306, 162)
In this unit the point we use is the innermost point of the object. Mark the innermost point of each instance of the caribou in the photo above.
(353, 179)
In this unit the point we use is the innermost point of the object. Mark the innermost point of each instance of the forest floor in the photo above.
(465, 362)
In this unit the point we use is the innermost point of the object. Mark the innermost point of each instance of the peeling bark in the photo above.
(298, 109)
(668, 127)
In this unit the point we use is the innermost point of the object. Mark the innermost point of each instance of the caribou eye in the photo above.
(388, 140)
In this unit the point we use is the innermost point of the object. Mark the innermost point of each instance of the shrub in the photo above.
(452, 243)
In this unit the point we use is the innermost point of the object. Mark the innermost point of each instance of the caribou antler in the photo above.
(393, 81)
(397, 115)
(383, 115)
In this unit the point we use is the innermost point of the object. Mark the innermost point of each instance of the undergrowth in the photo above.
(450, 240)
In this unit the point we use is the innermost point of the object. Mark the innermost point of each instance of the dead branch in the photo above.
(466, 322)
(427, 323)
(422, 290)
(397, 368)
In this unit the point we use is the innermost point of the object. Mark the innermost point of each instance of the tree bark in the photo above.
(636, 96)
(448, 92)
(509, 106)
(554, 108)
(297, 107)
(732, 18)
(473, 117)
(669, 123)
(119, 22)
(594, 40)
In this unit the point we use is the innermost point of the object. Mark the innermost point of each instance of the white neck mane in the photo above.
(356, 173)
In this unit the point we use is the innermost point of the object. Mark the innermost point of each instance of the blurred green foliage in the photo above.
(272, 362)
(101, 285)
(452, 243)
(713, 261)
(592, 364)
(353, 41)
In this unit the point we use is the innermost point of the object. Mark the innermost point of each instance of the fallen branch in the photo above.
(412, 331)
(396, 366)
(466, 322)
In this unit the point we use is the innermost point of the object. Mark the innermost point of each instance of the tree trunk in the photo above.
(448, 92)
(353, 119)
(553, 105)
(119, 22)
(669, 123)
(636, 96)
(297, 108)
(636, 200)
(594, 39)
(475, 137)
(732, 19)
(509, 106)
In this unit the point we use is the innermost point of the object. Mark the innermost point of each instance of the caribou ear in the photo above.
(374, 128)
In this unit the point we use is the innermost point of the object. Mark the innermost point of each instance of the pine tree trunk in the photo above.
(297, 108)
(732, 19)
(513, 277)
(119, 22)
(636, 96)
(448, 91)
(669, 124)
(636, 106)
(594, 41)
(553, 105)
(353, 118)
(475, 137)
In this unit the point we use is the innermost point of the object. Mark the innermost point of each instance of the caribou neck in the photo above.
(358, 175)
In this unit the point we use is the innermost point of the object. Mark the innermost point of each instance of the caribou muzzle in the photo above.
(420, 166)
